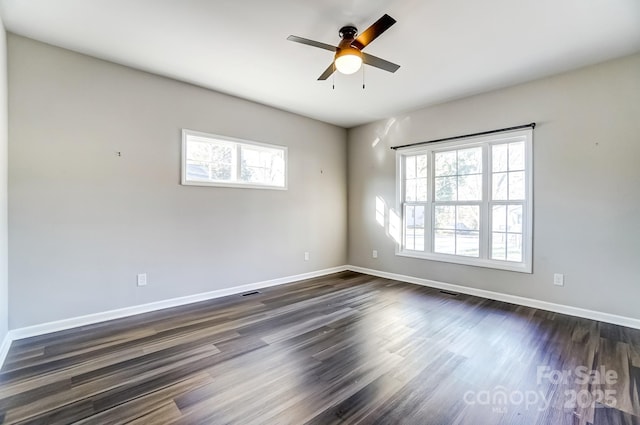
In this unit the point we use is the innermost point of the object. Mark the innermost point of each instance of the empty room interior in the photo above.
(330, 212)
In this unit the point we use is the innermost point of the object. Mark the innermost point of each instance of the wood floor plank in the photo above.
(141, 407)
(165, 413)
(613, 354)
(345, 348)
(117, 381)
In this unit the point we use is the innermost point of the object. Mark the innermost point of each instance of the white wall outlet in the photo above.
(142, 279)
(374, 254)
(306, 256)
(558, 279)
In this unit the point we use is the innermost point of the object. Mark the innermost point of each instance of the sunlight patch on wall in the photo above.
(381, 136)
(394, 225)
(380, 211)
(388, 219)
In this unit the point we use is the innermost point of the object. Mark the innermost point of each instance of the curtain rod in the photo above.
(518, 127)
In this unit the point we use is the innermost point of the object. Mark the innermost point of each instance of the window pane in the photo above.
(251, 157)
(220, 172)
(445, 216)
(444, 242)
(410, 167)
(468, 217)
(446, 163)
(499, 218)
(421, 165)
(199, 151)
(514, 247)
(197, 170)
(276, 174)
(414, 230)
(267, 158)
(261, 165)
(499, 192)
(499, 157)
(516, 156)
(468, 244)
(409, 241)
(470, 188)
(410, 190)
(220, 163)
(514, 219)
(470, 161)
(409, 214)
(419, 239)
(446, 189)
(516, 185)
(419, 216)
(498, 246)
(421, 189)
(252, 174)
(222, 155)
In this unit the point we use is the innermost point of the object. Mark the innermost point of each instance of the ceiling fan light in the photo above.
(348, 61)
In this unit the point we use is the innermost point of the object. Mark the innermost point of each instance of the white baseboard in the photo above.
(90, 319)
(513, 299)
(4, 348)
(74, 322)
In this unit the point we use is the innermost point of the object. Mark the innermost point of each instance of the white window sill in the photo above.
(231, 184)
(469, 261)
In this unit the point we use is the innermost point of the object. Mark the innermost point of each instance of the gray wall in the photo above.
(586, 185)
(4, 291)
(83, 221)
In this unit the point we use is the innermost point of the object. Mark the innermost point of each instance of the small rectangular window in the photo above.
(211, 160)
(468, 201)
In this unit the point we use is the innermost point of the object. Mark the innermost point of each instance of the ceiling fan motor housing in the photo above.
(348, 32)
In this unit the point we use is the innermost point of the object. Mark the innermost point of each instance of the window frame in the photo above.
(486, 204)
(236, 166)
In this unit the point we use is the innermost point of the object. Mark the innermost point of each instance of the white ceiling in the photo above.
(446, 48)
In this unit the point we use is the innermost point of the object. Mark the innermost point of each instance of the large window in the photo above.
(210, 160)
(468, 201)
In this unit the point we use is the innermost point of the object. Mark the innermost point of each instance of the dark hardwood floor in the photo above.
(345, 348)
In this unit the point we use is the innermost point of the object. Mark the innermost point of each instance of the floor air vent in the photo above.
(453, 294)
(251, 293)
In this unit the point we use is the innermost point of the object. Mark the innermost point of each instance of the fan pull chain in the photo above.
(333, 76)
(362, 76)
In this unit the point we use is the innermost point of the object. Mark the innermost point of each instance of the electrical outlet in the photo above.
(558, 279)
(374, 254)
(142, 279)
(306, 256)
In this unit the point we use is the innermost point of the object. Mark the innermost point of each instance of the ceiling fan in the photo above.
(348, 54)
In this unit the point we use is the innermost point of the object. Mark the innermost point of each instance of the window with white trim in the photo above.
(468, 201)
(211, 160)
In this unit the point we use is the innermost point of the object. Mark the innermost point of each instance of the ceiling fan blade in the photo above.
(312, 43)
(327, 72)
(373, 32)
(379, 63)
